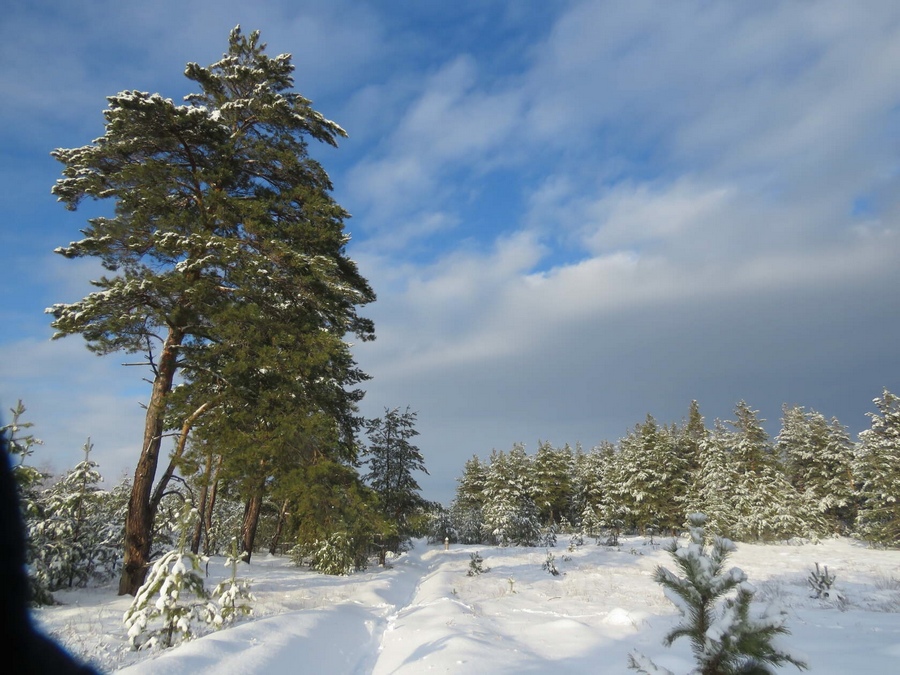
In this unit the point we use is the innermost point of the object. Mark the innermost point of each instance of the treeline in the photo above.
(811, 480)
(327, 515)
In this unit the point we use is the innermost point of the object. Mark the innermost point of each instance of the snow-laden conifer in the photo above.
(466, 511)
(715, 606)
(510, 514)
(878, 472)
(233, 595)
(173, 603)
(73, 542)
(552, 470)
(818, 457)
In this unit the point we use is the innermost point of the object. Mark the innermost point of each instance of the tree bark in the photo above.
(139, 519)
(250, 523)
(201, 505)
(282, 516)
(180, 445)
(207, 548)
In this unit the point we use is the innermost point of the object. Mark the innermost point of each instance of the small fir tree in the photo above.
(71, 544)
(20, 446)
(173, 601)
(818, 457)
(715, 609)
(549, 565)
(476, 565)
(340, 554)
(233, 594)
(466, 511)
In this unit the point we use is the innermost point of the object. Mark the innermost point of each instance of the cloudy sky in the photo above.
(574, 213)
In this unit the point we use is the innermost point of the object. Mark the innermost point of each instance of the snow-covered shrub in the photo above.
(339, 554)
(476, 565)
(76, 540)
(233, 594)
(715, 609)
(821, 581)
(550, 565)
(171, 604)
(173, 601)
(440, 526)
(548, 536)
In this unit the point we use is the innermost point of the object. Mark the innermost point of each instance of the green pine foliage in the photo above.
(335, 519)
(743, 487)
(340, 554)
(751, 489)
(726, 637)
(552, 470)
(392, 460)
(653, 477)
(476, 565)
(226, 264)
(20, 446)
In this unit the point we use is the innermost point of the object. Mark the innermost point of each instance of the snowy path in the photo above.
(343, 638)
(426, 615)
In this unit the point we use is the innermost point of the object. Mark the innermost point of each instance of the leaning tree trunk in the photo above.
(139, 520)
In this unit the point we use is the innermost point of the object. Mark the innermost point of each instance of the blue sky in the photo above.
(573, 213)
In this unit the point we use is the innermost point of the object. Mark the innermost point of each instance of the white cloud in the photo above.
(70, 395)
(451, 123)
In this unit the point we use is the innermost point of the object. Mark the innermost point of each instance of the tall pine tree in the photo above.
(220, 218)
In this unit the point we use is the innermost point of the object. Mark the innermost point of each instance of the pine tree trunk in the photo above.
(250, 523)
(282, 516)
(201, 505)
(211, 507)
(139, 520)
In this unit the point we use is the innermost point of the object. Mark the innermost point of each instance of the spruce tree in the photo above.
(392, 459)
(552, 482)
(689, 445)
(818, 457)
(510, 514)
(614, 504)
(653, 476)
(878, 473)
(466, 511)
(73, 543)
(744, 488)
(173, 601)
(20, 446)
(222, 225)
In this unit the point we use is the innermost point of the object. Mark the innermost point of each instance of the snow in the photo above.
(424, 614)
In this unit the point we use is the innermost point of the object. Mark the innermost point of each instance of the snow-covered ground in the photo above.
(424, 614)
